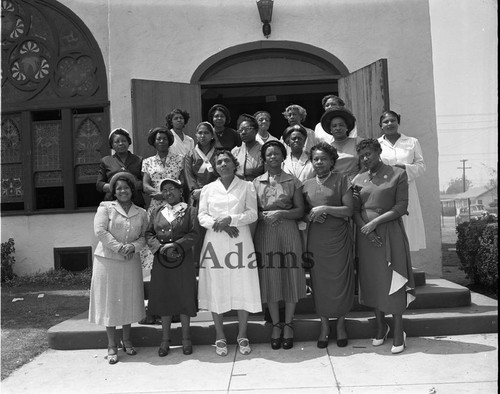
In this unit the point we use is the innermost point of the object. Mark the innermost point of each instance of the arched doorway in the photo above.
(263, 75)
(269, 76)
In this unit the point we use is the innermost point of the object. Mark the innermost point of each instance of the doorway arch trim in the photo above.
(296, 51)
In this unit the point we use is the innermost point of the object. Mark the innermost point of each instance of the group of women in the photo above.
(253, 213)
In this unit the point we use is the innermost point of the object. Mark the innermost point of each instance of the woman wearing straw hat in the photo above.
(116, 292)
(339, 122)
(121, 160)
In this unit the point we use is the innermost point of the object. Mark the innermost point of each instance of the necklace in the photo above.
(321, 181)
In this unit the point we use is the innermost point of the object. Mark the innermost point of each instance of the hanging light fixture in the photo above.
(266, 13)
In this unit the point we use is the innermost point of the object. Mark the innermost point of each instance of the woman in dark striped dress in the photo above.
(277, 242)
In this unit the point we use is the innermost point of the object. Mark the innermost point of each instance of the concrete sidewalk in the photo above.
(447, 364)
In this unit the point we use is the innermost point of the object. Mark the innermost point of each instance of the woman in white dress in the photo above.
(405, 152)
(229, 277)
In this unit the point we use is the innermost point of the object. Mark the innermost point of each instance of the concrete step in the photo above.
(435, 293)
(480, 316)
(419, 277)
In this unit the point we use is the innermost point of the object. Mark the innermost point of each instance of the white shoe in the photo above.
(399, 349)
(379, 342)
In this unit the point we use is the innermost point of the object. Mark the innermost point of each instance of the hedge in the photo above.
(477, 249)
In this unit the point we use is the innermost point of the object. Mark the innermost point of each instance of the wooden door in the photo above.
(366, 93)
(153, 100)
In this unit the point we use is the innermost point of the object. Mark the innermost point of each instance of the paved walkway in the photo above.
(430, 365)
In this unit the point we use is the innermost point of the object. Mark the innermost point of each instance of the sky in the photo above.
(464, 46)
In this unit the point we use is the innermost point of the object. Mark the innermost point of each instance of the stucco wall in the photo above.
(167, 40)
(35, 238)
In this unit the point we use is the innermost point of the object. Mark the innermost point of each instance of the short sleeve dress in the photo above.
(385, 274)
(278, 247)
(329, 246)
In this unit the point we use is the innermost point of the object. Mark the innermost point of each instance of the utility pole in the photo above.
(463, 168)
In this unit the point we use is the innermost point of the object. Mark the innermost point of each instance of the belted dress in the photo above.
(385, 273)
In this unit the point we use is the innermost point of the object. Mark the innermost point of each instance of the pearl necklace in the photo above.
(321, 182)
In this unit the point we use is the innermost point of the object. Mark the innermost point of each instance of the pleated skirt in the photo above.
(279, 251)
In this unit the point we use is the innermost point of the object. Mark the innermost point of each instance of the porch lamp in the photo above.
(266, 13)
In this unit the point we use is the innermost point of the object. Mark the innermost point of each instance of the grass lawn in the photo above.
(25, 323)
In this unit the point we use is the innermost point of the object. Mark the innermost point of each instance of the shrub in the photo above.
(8, 260)
(487, 255)
(477, 250)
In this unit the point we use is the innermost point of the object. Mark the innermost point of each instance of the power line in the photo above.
(464, 168)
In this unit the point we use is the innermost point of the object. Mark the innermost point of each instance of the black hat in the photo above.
(223, 109)
(341, 112)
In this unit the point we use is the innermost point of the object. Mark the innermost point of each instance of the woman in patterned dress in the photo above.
(277, 242)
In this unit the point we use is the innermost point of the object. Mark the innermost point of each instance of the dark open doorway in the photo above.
(270, 97)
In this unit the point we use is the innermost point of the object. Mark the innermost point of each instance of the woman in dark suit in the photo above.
(121, 160)
(172, 231)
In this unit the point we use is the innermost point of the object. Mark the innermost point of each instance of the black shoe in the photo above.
(187, 347)
(148, 320)
(164, 348)
(276, 342)
(323, 344)
(288, 342)
(342, 342)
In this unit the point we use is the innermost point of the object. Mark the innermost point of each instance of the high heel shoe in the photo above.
(276, 342)
(324, 344)
(187, 347)
(112, 355)
(127, 347)
(400, 348)
(288, 342)
(380, 342)
(164, 348)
